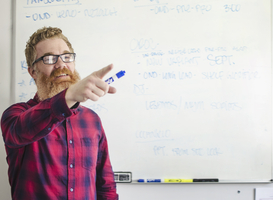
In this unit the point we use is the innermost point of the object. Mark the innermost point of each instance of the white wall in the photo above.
(126, 191)
(5, 87)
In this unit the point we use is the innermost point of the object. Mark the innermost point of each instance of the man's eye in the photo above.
(67, 57)
(49, 59)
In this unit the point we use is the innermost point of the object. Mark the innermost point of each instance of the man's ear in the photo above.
(32, 72)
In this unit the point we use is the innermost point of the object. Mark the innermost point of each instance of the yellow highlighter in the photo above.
(178, 180)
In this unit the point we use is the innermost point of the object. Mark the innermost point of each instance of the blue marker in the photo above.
(115, 77)
(149, 181)
(153, 180)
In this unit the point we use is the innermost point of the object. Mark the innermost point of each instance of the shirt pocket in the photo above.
(89, 153)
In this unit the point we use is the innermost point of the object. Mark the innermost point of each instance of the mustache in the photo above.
(58, 72)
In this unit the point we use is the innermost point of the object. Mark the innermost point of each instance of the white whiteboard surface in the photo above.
(196, 98)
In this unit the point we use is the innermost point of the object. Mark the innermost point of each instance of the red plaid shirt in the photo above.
(56, 153)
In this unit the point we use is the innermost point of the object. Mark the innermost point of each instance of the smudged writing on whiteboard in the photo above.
(211, 151)
(67, 13)
(100, 12)
(192, 106)
(196, 8)
(51, 2)
(228, 106)
(220, 59)
(143, 44)
(62, 14)
(158, 104)
(24, 65)
(205, 75)
(164, 8)
(164, 150)
(141, 89)
(153, 56)
(22, 83)
(179, 60)
(39, 17)
(153, 135)
(243, 75)
(232, 7)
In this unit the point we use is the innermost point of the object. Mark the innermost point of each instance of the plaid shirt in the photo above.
(56, 153)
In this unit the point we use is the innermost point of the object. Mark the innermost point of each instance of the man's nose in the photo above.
(60, 63)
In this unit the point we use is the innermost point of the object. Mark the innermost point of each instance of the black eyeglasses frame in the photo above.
(42, 58)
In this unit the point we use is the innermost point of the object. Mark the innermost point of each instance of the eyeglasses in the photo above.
(52, 59)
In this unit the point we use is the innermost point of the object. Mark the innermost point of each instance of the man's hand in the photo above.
(91, 87)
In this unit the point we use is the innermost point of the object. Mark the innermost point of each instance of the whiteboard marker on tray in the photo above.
(206, 180)
(115, 77)
(149, 181)
(178, 180)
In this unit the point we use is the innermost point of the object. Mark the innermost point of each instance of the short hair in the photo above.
(40, 35)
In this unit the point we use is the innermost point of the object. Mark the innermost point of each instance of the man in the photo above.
(57, 149)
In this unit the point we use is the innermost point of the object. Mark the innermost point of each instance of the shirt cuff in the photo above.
(59, 107)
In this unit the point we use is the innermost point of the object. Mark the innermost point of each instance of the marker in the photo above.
(153, 180)
(178, 180)
(206, 180)
(149, 180)
(115, 77)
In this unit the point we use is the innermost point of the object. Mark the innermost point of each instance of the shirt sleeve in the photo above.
(23, 124)
(105, 183)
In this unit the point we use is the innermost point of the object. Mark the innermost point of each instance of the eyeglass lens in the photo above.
(52, 59)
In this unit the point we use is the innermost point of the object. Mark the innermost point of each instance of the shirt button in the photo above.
(71, 189)
(70, 141)
(71, 166)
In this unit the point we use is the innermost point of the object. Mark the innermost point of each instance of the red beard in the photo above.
(50, 86)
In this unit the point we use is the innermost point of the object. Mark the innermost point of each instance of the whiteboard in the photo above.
(196, 98)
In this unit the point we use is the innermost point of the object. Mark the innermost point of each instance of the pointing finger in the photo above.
(102, 72)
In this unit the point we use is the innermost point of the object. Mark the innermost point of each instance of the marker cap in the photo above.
(120, 74)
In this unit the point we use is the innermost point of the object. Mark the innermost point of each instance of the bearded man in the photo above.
(56, 148)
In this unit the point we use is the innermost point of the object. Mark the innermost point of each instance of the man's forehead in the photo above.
(52, 46)
(52, 53)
